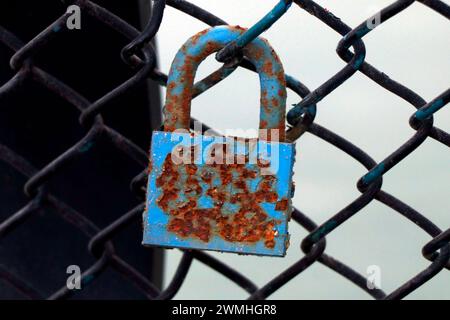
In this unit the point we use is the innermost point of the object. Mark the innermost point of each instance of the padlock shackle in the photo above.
(177, 110)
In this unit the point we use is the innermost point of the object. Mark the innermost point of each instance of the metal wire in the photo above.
(139, 55)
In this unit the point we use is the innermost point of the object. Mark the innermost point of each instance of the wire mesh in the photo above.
(140, 56)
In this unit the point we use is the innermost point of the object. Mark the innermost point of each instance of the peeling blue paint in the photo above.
(424, 113)
(265, 23)
(87, 146)
(374, 174)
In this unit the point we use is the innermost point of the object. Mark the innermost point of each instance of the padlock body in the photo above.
(219, 193)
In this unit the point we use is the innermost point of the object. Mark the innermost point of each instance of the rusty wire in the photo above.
(140, 55)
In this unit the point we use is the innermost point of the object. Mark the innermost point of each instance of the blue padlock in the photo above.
(221, 193)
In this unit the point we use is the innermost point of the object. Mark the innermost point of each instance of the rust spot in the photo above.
(184, 48)
(263, 124)
(281, 93)
(207, 177)
(191, 169)
(171, 86)
(268, 68)
(281, 78)
(263, 163)
(196, 37)
(254, 51)
(265, 101)
(282, 205)
(246, 222)
(275, 102)
(149, 168)
(270, 238)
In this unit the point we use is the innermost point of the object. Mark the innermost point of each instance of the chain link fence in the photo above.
(138, 55)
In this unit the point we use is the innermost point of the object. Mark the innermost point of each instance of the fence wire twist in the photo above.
(140, 56)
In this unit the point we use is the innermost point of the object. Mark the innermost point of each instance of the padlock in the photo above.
(214, 192)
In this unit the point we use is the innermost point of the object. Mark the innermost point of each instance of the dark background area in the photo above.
(39, 126)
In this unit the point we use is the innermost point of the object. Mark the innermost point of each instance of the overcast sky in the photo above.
(412, 48)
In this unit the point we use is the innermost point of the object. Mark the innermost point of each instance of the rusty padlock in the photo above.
(221, 193)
